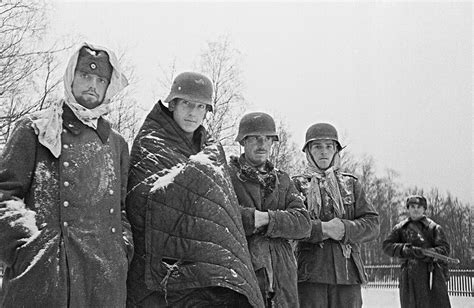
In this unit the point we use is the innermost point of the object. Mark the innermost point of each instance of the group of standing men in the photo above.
(206, 232)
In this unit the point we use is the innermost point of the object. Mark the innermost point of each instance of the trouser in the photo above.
(319, 295)
(201, 297)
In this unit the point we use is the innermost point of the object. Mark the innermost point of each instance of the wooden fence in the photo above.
(461, 281)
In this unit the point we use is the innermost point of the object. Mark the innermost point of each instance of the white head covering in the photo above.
(323, 179)
(47, 123)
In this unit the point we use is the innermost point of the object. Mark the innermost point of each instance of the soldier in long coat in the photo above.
(64, 236)
(423, 280)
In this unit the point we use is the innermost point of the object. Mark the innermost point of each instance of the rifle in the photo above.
(438, 256)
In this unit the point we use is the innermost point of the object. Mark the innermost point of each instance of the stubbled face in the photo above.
(257, 149)
(323, 152)
(89, 89)
(416, 211)
(188, 115)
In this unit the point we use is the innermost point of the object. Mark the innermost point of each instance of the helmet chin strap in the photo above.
(316, 164)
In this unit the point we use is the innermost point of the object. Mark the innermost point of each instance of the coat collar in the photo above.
(161, 114)
(75, 127)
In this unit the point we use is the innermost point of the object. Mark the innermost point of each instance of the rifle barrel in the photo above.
(430, 253)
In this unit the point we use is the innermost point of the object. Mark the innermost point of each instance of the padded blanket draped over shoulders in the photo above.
(183, 201)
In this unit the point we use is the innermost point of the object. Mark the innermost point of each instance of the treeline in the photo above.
(30, 79)
(388, 197)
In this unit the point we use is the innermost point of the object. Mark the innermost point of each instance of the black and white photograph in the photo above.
(236, 153)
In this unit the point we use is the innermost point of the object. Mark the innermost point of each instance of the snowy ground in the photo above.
(388, 298)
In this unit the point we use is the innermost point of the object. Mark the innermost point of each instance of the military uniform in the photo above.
(330, 268)
(415, 290)
(322, 263)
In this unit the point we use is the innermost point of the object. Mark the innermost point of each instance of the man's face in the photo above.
(416, 211)
(188, 115)
(257, 149)
(323, 152)
(89, 89)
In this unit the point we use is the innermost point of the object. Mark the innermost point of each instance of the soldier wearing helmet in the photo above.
(272, 211)
(330, 269)
(176, 202)
(423, 280)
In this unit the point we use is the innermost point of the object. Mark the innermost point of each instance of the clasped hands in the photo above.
(333, 229)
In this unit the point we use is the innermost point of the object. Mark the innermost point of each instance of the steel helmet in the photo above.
(256, 123)
(417, 199)
(322, 131)
(193, 87)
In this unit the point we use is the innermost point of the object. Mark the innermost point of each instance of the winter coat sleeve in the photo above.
(293, 222)
(16, 170)
(126, 228)
(364, 226)
(440, 244)
(393, 244)
(248, 220)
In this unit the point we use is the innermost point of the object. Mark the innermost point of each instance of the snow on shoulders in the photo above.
(208, 157)
(166, 179)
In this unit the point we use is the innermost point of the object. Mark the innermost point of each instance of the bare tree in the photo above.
(26, 72)
(126, 112)
(285, 154)
(221, 62)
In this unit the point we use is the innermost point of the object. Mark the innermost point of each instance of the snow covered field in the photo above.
(388, 298)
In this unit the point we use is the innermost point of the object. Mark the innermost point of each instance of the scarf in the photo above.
(48, 123)
(248, 173)
(323, 180)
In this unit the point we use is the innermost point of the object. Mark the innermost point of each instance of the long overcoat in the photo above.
(68, 246)
(415, 290)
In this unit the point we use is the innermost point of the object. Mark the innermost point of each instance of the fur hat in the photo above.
(94, 62)
(417, 199)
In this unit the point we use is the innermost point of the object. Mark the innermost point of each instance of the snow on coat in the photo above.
(361, 224)
(270, 247)
(184, 214)
(65, 245)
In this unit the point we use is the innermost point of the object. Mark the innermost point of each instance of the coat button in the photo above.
(113, 230)
(66, 184)
(111, 192)
(111, 211)
(66, 164)
(65, 146)
(66, 204)
(65, 224)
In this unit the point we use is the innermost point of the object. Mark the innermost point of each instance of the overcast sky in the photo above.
(395, 78)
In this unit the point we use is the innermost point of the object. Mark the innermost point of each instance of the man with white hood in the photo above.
(64, 236)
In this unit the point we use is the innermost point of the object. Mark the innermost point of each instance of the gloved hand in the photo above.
(410, 251)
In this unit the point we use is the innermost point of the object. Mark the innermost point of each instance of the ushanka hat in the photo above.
(94, 62)
(416, 199)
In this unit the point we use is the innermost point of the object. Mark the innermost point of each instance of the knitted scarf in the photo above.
(323, 180)
(248, 173)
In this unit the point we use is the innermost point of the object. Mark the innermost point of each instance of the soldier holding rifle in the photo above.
(421, 244)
